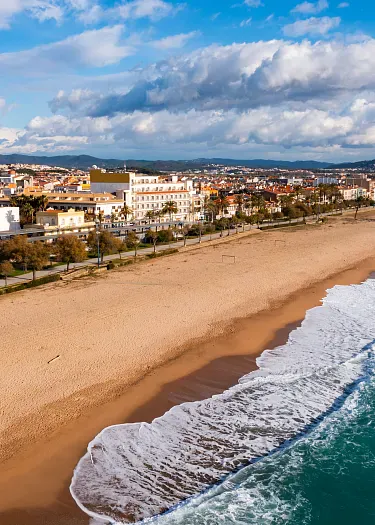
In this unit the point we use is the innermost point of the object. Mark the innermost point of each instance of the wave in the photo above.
(132, 472)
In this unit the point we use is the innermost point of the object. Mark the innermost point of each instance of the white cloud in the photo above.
(278, 127)
(96, 48)
(257, 97)
(343, 5)
(311, 26)
(246, 22)
(174, 41)
(87, 11)
(132, 10)
(239, 76)
(311, 8)
(253, 3)
(40, 9)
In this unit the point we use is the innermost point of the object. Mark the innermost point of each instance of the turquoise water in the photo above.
(303, 423)
(326, 478)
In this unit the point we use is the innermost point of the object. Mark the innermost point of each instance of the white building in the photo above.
(9, 219)
(144, 193)
(351, 194)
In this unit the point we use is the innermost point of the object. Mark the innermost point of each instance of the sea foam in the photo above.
(136, 471)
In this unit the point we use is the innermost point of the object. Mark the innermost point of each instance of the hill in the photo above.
(86, 161)
(365, 165)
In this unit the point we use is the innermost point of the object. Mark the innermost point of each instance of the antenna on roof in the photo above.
(124, 165)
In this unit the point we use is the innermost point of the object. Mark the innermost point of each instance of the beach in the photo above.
(179, 315)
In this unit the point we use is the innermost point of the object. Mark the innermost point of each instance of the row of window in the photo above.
(182, 206)
(161, 188)
(162, 197)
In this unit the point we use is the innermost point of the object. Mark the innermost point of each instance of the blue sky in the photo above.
(168, 79)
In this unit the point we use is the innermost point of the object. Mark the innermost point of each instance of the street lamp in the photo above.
(97, 229)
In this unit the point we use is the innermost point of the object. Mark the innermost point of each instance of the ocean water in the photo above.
(292, 443)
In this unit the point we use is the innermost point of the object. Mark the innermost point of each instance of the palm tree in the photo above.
(239, 202)
(211, 208)
(170, 207)
(150, 215)
(297, 191)
(40, 203)
(248, 206)
(125, 211)
(222, 204)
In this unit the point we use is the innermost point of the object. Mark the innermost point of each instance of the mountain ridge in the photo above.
(86, 161)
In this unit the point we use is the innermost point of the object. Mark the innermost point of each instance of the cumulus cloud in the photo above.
(174, 41)
(96, 48)
(317, 97)
(273, 126)
(240, 76)
(311, 8)
(312, 26)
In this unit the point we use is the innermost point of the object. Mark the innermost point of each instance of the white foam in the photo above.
(136, 471)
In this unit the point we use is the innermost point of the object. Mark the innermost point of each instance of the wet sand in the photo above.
(34, 485)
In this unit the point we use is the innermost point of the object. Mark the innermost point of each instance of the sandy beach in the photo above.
(112, 332)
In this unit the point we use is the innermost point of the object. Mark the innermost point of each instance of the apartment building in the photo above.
(352, 193)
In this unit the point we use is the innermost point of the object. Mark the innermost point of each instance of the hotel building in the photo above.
(145, 193)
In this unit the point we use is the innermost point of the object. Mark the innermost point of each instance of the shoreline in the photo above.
(34, 485)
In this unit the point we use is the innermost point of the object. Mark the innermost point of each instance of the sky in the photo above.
(168, 79)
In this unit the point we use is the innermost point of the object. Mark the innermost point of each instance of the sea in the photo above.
(292, 443)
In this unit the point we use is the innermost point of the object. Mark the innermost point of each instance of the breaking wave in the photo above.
(132, 472)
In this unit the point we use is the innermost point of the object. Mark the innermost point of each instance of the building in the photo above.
(9, 219)
(61, 219)
(351, 194)
(55, 221)
(148, 193)
(102, 181)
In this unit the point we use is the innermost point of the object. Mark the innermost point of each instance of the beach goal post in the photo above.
(229, 258)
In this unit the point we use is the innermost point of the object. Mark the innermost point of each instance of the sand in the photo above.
(111, 332)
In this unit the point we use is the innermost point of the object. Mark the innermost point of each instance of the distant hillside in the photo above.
(365, 165)
(86, 161)
(266, 163)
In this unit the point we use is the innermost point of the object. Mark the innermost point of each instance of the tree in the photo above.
(38, 256)
(170, 207)
(119, 245)
(125, 211)
(40, 202)
(153, 236)
(29, 205)
(222, 204)
(17, 250)
(150, 215)
(239, 202)
(211, 208)
(132, 242)
(297, 191)
(70, 249)
(6, 269)
(358, 204)
(107, 243)
(185, 232)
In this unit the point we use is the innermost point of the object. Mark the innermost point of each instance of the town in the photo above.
(57, 214)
